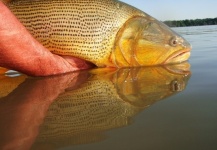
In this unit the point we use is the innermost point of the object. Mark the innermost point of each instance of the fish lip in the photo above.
(184, 68)
(177, 54)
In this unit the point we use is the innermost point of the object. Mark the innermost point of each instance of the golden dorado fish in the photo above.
(93, 102)
(107, 33)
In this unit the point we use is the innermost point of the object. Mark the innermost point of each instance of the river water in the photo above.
(172, 107)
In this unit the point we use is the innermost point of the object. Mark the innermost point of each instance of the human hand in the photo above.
(21, 52)
(24, 109)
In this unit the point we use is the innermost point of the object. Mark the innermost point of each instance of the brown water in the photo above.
(133, 108)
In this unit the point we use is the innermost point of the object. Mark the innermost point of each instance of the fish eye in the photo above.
(173, 42)
(176, 86)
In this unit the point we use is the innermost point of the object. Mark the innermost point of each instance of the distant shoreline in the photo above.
(191, 22)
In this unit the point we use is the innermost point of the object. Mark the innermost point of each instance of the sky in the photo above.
(177, 9)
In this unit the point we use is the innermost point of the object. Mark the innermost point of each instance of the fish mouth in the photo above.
(178, 57)
(183, 68)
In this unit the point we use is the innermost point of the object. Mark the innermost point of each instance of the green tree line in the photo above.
(191, 22)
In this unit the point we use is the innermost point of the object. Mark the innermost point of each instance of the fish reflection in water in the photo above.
(78, 108)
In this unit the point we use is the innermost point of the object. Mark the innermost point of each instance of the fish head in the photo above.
(143, 86)
(148, 42)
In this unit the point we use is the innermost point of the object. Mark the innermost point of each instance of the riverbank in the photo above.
(191, 22)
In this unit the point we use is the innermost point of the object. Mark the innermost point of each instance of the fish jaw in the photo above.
(183, 68)
(178, 57)
(144, 41)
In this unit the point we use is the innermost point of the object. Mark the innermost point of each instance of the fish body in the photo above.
(3, 70)
(107, 33)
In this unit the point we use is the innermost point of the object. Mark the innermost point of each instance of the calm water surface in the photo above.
(138, 108)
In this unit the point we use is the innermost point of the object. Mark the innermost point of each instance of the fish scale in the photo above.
(81, 28)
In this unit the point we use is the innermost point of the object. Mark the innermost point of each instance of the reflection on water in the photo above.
(78, 108)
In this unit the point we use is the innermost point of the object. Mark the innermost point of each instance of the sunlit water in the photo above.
(130, 109)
